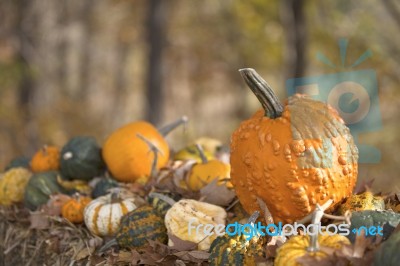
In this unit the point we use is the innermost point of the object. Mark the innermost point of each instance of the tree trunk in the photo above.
(293, 20)
(156, 27)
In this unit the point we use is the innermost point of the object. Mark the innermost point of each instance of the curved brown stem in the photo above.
(270, 102)
(165, 130)
(155, 150)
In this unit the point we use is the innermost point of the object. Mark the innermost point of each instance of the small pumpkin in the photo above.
(39, 188)
(127, 156)
(387, 220)
(73, 209)
(291, 157)
(205, 172)
(13, 184)
(363, 202)
(388, 253)
(46, 159)
(103, 186)
(81, 159)
(191, 152)
(188, 214)
(102, 215)
(21, 161)
(298, 246)
(237, 249)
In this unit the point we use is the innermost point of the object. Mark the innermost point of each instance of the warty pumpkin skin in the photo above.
(102, 215)
(12, 185)
(293, 156)
(362, 202)
(46, 159)
(128, 157)
(73, 209)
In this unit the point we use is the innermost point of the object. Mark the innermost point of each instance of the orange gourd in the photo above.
(128, 156)
(291, 157)
(73, 209)
(46, 159)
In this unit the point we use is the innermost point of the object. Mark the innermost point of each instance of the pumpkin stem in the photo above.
(162, 197)
(115, 197)
(263, 91)
(155, 150)
(201, 152)
(44, 150)
(112, 242)
(317, 215)
(165, 130)
(253, 218)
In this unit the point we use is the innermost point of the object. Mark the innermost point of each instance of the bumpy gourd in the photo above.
(73, 209)
(191, 212)
(297, 247)
(127, 156)
(13, 184)
(81, 159)
(102, 215)
(363, 202)
(293, 156)
(140, 225)
(46, 159)
(237, 249)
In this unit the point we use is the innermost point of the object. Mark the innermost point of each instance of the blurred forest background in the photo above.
(87, 67)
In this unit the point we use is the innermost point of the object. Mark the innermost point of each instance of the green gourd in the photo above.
(21, 161)
(81, 159)
(137, 227)
(388, 220)
(39, 188)
(388, 253)
(101, 188)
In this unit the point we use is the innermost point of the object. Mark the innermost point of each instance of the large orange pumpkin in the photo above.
(293, 156)
(129, 157)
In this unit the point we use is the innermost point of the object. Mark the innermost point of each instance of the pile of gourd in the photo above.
(285, 161)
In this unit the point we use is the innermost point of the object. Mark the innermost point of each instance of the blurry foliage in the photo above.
(87, 61)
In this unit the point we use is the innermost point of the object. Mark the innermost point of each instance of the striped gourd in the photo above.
(103, 215)
(140, 225)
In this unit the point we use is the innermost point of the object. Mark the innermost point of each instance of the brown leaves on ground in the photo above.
(158, 254)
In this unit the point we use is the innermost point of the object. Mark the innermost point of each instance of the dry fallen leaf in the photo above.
(181, 245)
(39, 220)
(217, 194)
